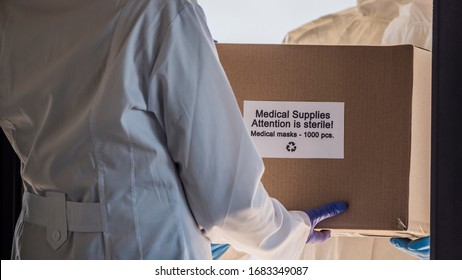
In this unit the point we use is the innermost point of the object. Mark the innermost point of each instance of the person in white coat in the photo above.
(131, 142)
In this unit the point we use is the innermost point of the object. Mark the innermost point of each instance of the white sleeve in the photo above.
(217, 161)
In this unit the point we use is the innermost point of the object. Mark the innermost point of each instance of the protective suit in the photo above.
(324, 30)
(362, 25)
(412, 26)
(131, 142)
(378, 23)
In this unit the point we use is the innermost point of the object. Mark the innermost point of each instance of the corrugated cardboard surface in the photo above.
(377, 85)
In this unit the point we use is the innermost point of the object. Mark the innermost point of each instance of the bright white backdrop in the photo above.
(264, 21)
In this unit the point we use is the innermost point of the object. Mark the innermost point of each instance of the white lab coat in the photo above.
(412, 26)
(124, 104)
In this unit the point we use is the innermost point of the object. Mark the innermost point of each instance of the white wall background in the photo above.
(264, 21)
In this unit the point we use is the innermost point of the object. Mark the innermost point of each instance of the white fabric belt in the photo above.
(60, 216)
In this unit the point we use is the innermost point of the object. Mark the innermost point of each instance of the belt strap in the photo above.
(60, 216)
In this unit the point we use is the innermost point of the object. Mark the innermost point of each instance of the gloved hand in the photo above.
(218, 250)
(418, 248)
(318, 214)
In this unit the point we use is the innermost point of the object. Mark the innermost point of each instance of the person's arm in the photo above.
(216, 159)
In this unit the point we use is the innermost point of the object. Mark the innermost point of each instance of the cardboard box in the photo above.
(381, 162)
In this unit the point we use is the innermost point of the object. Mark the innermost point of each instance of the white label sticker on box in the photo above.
(296, 129)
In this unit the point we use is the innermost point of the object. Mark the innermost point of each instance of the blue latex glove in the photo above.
(218, 250)
(418, 248)
(318, 214)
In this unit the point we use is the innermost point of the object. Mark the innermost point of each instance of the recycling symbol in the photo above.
(291, 147)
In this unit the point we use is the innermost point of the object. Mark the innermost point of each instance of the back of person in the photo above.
(130, 138)
(73, 104)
